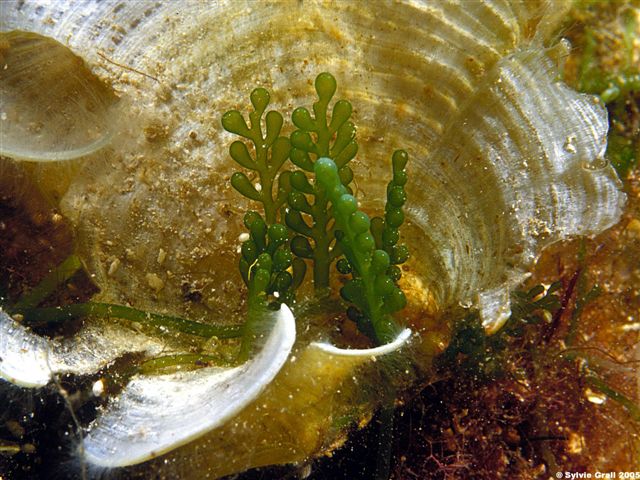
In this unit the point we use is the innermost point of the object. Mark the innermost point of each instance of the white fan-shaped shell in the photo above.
(522, 167)
(504, 158)
(29, 360)
(155, 414)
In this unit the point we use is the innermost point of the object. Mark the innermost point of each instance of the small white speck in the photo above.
(113, 268)
(3, 115)
(98, 388)
(595, 397)
(569, 144)
(258, 187)
(632, 327)
(243, 237)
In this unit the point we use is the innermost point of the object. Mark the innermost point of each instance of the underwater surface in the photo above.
(325, 240)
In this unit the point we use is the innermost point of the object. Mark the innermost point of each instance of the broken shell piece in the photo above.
(156, 414)
(30, 360)
(51, 106)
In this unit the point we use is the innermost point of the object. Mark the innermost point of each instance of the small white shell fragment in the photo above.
(29, 360)
(495, 308)
(156, 414)
(98, 387)
(365, 353)
(154, 281)
(162, 256)
(113, 267)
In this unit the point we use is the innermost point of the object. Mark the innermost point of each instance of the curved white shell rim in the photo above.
(156, 414)
(29, 360)
(52, 107)
(385, 349)
(30, 155)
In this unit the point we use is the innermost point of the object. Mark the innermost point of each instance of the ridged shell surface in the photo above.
(505, 158)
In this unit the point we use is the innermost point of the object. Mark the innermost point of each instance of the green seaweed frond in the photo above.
(266, 261)
(271, 152)
(372, 289)
(266, 257)
(317, 137)
(386, 231)
(318, 228)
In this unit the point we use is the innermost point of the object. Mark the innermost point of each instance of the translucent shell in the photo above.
(156, 414)
(51, 106)
(30, 360)
(520, 167)
(505, 160)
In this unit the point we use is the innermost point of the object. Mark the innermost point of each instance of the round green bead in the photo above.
(359, 222)
(394, 273)
(302, 119)
(283, 282)
(278, 233)
(325, 86)
(233, 122)
(365, 242)
(384, 285)
(264, 262)
(302, 140)
(390, 237)
(347, 204)
(301, 247)
(395, 300)
(260, 279)
(343, 266)
(380, 261)
(394, 217)
(399, 254)
(325, 170)
(397, 196)
(282, 260)
(249, 251)
(341, 112)
(260, 99)
(274, 122)
(250, 217)
(298, 201)
(400, 178)
(399, 160)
